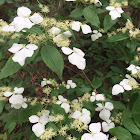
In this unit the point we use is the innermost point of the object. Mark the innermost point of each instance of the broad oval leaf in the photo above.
(91, 16)
(121, 133)
(53, 59)
(12, 67)
(108, 22)
(136, 112)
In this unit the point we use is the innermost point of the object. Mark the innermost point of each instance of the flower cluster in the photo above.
(16, 99)
(23, 20)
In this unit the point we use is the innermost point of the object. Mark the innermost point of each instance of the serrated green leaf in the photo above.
(12, 67)
(11, 127)
(53, 59)
(121, 133)
(76, 13)
(34, 29)
(108, 22)
(91, 16)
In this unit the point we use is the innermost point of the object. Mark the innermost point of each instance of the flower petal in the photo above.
(66, 50)
(18, 90)
(110, 8)
(32, 47)
(100, 136)
(34, 119)
(87, 136)
(100, 107)
(76, 26)
(67, 33)
(23, 11)
(15, 48)
(85, 111)
(78, 51)
(38, 129)
(85, 119)
(109, 106)
(86, 29)
(117, 89)
(95, 127)
(7, 94)
(76, 115)
(44, 120)
(66, 107)
(104, 114)
(36, 18)
(100, 97)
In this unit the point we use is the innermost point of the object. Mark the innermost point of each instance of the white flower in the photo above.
(114, 12)
(95, 134)
(107, 125)
(96, 35)
(45, 82)
(134, 69)
(104, 110)
(98, 97)
(63, 102)
(83, 116)
(71, 84)
(17, 101)
(85, 28)
(54, 31)
(39, 127)
(117, 89)
(76, 57)
(24, 21)
(22, 52)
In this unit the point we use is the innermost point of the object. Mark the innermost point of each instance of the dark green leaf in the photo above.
(108, 22)
(136, 112)
(91, 16)
(121, 133)
(117, 37)
(2, 103)
(35, 30)
(76, 13)
(53, 59)
(96, 82)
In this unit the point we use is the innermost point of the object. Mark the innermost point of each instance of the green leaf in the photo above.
(117, 37)
(91, 16)
(121, 133)
(53, 59)
(96, 82)
(12, 67)
(52, 125)
(2, 103)
(108, 22)
(131, 45)
(76, 13)
(118, 105)
(136, 112)
(82, 89)
(59, 138)
(58, 110)
(129, 124)
(11, 127)
(34, 30)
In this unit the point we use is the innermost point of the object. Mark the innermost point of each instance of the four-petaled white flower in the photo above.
(125, 84)
(96, 35)
(98, 97)
(95, 134)
(24, 21)
(104, 110)
(70, 84)
(114, 12)
(76, 57)
(63, 102)
(17, 101)
(134, 69)
(85, 28)
(83, 116)
(107, 125)
(45, 82)
(22, 52)
(39, 127)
